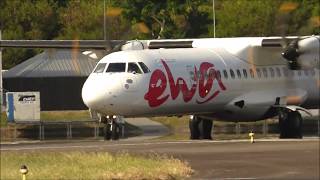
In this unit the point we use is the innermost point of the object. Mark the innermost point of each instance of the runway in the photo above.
(233, 159)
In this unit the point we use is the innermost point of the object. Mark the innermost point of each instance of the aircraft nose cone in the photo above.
(91, 94)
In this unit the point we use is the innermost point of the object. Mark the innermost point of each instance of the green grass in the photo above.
(65, 115)
(92, 165)
(178, 126)
(3, 120)
(55, 116)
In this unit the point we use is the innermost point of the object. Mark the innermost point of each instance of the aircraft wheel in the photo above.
(206, 128)
(290, 125)
(194, 127)
(115, 130)
(296, 124)
(107, 135)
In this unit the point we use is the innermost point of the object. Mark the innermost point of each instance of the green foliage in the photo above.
(26, 20)
(149, 19)
(167, 19)
(267, 18)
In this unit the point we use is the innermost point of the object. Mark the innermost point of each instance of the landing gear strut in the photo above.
(200, 128)
(290, 124)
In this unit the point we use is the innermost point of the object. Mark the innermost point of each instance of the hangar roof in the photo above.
(54, 63)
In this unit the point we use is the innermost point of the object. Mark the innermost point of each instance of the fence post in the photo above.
(15, 132)
(237, 128)
(265, 127)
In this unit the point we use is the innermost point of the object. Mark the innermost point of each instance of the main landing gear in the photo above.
(200, 128)
(112, 127)
(290, 124)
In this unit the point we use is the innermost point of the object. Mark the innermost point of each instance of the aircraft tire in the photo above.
(115, 131)
(206, 128)
(107, 135)
(194, 127)
(291, 125)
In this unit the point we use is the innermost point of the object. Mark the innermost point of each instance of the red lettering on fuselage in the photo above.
(205, 83)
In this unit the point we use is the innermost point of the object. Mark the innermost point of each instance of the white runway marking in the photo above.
(99, 146)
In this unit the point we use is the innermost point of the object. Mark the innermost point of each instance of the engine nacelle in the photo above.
(308, 50)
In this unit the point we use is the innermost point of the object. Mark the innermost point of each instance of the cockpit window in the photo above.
(100, 67)
(144, 67)
(116, 67)
(134, 68)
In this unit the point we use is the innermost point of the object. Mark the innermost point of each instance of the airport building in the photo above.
(57, 74)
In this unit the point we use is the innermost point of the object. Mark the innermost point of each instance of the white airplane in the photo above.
(230, 79)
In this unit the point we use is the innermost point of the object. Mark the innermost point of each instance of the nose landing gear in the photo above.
(112, 127)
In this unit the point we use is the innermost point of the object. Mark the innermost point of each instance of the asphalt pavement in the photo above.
(235, 159)
(230, 159)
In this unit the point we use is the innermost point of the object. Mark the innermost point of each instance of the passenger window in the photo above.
(100, 67)
(144, 67)
(271, 72)
(245, 73)
(225, 73)
(232, 74)
(218, 74)
(134, 68)
(306, 72)
(211, 74)
(265, 72)
(238, 73)
(278, 72)
(116, 67)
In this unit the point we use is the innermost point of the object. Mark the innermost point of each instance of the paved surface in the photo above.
(151, 129)
(238, 159)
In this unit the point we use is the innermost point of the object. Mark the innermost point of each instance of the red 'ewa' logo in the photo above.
(205, 83)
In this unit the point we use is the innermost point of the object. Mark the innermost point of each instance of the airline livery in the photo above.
(230, 79)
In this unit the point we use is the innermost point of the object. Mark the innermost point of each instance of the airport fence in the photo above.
(58, 130)
(92, 130)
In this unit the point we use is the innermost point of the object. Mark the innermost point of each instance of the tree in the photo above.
(85, 20)
(26, 20)
(166, 19)
(246, 18)
(267, 18)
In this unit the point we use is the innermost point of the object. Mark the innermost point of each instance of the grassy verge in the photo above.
(55, 116)
(178, 126)
(3, 120)
(93, 165)
(65, 115)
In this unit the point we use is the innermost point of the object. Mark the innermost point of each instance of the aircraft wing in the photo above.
(66, 44)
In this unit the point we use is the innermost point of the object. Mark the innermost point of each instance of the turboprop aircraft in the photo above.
(230, 79)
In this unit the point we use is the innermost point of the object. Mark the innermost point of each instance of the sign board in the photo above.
(23, 106)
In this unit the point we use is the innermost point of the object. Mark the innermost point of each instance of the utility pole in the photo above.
(104, 20)
(214, 19)
(1, 89)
